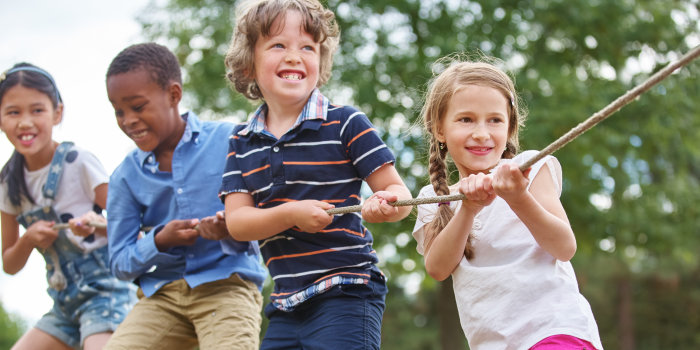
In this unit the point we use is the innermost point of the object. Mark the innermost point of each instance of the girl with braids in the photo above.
(508, 245)
(45, 183)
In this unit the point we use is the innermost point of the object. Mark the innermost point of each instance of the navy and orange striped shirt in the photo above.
(325, 156)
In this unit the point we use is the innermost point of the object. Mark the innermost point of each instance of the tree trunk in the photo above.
(451, 335)
(625, 316)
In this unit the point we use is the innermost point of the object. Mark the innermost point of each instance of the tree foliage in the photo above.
(11, 329)
(630, 184)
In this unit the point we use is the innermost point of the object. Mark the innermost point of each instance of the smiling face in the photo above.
(475, 128)
(145, 111)
(27, 118)
(287, 63)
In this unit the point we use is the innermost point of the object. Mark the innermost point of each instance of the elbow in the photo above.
(436, 273)
(8, 270)
(567, 253)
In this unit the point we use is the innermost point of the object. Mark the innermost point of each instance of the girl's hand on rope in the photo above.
(41, 234)
(478, 190)
(377, 208)
(509, 182)
(213, 227)
(310, 215)
(177, 233)
(81, 225)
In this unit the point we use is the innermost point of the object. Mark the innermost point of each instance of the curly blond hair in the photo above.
(255, 18)
(460, 73)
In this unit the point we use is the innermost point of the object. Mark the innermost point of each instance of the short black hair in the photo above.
(154, 58)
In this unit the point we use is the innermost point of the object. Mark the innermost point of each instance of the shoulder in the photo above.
(426, 191)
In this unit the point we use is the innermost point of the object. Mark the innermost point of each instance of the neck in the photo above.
(41, 159)
(280, 118)
(164, 151)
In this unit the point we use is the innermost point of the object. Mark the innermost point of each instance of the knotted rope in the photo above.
(563, 140)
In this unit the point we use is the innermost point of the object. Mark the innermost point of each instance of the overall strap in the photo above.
(51, 186)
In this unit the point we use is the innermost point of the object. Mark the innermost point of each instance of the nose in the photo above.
(25, 121)
(480, 132)
(292, 58)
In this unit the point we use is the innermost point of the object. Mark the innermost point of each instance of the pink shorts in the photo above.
(562, 342)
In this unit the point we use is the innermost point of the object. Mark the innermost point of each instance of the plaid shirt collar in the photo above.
(316, 108)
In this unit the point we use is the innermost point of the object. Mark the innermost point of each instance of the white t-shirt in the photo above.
(513, 293)
(82, 173)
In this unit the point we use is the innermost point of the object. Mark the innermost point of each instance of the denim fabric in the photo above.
(347, 317)
(93, 301)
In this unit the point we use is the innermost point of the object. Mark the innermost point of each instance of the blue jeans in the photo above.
(347, 317)
(93, 301)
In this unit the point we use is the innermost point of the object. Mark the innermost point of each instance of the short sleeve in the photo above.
(553, 168)
(232, 178)
(364, 146)
(92, 174)
(425, 214)
(5, 204)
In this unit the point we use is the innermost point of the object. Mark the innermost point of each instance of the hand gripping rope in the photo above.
(563, 140)
(559, 143)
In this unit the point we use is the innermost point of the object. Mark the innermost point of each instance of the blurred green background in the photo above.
(630, 184)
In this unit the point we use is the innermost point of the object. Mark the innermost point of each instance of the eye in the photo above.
(278, 46)
(118, 113)
(465, 120)
(309, 48)
(38, 110)
(139, 108)
(496, 120)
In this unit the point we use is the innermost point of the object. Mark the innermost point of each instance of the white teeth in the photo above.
(138, 134)
(26, 137)
(291, 76)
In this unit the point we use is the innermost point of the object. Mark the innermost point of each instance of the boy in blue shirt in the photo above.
(298, 156)
(191, 292)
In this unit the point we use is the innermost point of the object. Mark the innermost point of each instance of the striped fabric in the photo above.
(325, 156)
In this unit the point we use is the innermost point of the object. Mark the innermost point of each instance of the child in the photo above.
(508, 245)
(45, 183)
(191, 292)
(297, 157)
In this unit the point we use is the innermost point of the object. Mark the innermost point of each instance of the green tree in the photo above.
(630, 184)
(11, 329)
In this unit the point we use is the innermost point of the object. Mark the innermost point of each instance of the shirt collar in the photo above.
(316, 107)
(193, 127)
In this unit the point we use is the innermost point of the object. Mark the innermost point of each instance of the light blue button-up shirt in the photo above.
(141, 195)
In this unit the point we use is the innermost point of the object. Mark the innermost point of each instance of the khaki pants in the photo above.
(223, 314)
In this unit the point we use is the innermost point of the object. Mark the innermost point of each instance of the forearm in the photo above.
(447, 249)
(247, 223)
(15, 258)
(552, 233)
(402, 193)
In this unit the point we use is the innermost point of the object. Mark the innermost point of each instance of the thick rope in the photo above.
(563, 140)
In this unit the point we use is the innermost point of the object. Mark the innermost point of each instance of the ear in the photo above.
(58, 114)
(439, 134)
(175, 93)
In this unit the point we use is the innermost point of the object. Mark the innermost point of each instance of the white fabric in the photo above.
(513, 293)
(76, 192)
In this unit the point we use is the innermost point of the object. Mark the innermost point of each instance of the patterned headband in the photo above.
(4, 75)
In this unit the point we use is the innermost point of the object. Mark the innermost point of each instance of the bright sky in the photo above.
(74, 40)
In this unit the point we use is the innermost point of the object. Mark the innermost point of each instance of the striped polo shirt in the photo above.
(325, 156)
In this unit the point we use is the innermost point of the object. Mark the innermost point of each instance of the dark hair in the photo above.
(156, 59)
(33, 77)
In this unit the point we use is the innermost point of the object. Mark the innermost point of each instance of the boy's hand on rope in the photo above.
(83, 226)
(41, 234)
(377, 208)
(310, 215)
(177, 233)
(213, 227)
(478, 190)
(509, 182)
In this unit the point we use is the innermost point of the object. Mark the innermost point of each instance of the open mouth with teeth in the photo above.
(287, 75)
(138, 134)
(27, 139)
